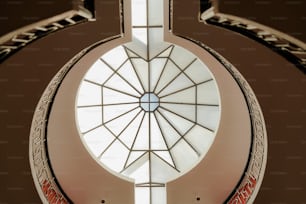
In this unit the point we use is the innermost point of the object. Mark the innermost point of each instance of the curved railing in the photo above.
(10, 43)
(291, 48)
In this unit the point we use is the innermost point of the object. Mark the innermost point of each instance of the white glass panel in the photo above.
(161, 171)
(115, 156)
(182, 57)
(89, 94)
(186, 111)
(131, 53)
(139, 170)
(140, 34)
(129, 134)
(138, 47)
(157, 139)
(156, 68)
(139, 12)
(95, 115)
(113, 111)
(98, 72)
(142, 139)
(166, 53)
(117, 83)
(118, 125)
(115, 97)
(159, 195)
(98, 139)
(128, 73)
(185, 157)
(142, 195)
(208, 116)
(155, 41)
(171, 136)
(115, 57)
(208, 93)
(136, 158)
(200, 138)
(198, 72)
(141, 67)
(169, 73)
(165, 155)
(179, 123)
(184, 96)
(180, 83)
(156, 36)
(156, 12)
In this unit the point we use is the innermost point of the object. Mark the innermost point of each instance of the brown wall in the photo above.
(279, 86)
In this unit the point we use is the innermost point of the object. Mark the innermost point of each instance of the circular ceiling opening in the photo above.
(148, 119)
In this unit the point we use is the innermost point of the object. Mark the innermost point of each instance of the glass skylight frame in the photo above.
(158, 140)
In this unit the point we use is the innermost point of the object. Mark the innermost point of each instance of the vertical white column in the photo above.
(148, 41)
(148, 27)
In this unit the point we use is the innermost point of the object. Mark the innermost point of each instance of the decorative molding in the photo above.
(250, 182)
(289, 47)
(17, 39)
(44, 179)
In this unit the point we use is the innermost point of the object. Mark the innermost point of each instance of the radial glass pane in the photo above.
(128, 73)
(114, 96)
(115, 156)
(187, 111)
(119, 83)
(115, 57)
(207, 93)
(198, 72)
(200, 138)
(157, 66)
(156, 137)
(208, 116)
(142, 138)
(98, 139)
(171, 135)
(119, 124)
(186, 96)
(128, 136)
(182, 57)
(83, 115)
(113, 111)
(89, 94)
(142, 69)
(161, 170)
(185, 156)
(181, 82)
(170, 72)
(178, 122)
(99, 72)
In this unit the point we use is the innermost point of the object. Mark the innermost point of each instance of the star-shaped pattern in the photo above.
(147, 117)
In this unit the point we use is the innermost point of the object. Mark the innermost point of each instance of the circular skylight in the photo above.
(150, 120)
